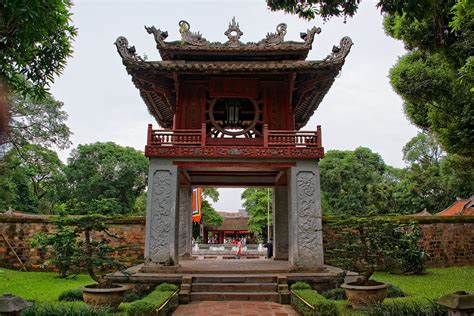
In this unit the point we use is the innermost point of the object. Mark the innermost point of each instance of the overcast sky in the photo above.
(361, 108)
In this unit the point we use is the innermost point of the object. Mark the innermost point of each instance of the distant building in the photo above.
(462, 207)
(422, 213)
(234, 226)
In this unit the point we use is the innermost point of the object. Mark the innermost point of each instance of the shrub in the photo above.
(335, 294)
(166, 287)
(71, 295)
(152, 301)
(139, 308)
(394, 291)
(407, 306)
(364, 245)
(62, 246)
(321, 306)
(70, 309)
(300, 286)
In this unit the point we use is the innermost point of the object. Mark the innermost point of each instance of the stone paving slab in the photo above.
(244, 308)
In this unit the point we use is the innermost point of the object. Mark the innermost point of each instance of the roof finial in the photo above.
(233, 33)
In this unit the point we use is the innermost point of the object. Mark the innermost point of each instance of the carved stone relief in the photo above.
(160, 216)
(306, 215)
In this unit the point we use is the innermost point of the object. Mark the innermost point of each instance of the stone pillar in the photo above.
(185, 221)
(280, 223)
(161, 232)
(304, 214)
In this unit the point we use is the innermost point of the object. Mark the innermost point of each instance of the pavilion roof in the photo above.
(157, 80)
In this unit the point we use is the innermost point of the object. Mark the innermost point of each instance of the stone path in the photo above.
(234, 308)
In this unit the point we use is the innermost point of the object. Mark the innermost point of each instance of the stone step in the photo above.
(234, 287)
(235, 296)
(234, 279)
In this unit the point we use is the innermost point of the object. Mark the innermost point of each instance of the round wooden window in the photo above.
(234, 116)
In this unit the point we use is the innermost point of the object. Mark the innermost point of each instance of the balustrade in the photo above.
(271, 138)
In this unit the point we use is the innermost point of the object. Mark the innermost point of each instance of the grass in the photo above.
(435, 283)
(38, 286)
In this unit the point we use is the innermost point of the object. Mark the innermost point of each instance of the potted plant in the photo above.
(94, 253)
(361, 247)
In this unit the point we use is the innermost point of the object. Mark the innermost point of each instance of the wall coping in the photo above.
(34, 218)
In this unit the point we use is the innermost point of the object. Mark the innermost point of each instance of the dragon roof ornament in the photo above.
(191, 38)
(125, 51)
(275, 38)
(340, 52)
(233, 33)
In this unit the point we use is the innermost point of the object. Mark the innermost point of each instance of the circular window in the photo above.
(234, 116)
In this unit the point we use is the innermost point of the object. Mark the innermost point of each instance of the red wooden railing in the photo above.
(197, 137)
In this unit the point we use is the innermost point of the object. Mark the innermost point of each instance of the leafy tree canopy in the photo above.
(433, 179)
(310, 9)
(35, 41)
(353, 182)
(210, 217)
(41, 122)
(256, 202)
(29, 179)
(105, 173)
(435, 78)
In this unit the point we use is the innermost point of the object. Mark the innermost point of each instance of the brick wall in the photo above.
(449, 241)
(19, 230)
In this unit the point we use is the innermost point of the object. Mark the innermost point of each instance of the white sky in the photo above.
(361, 108)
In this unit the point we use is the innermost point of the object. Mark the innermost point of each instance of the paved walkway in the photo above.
(234, 308)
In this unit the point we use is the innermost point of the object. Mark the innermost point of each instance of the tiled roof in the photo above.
(239, 223)
(157, 80)
(459, 208)
(422, 213)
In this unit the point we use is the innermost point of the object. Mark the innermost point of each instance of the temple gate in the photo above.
(230, 116)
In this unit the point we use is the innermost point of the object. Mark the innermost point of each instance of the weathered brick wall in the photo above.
(19, 230)
(449, 242)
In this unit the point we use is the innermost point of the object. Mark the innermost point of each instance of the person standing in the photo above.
(269, 246)
(239, 249)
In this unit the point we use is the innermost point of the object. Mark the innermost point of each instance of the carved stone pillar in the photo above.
(305, 226)
(185, 221)
(280, 223)
(161, 238)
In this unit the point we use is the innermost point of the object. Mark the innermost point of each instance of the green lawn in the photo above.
(434, 283)
(38, 286)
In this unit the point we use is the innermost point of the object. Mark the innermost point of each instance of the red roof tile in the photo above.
(459, 208)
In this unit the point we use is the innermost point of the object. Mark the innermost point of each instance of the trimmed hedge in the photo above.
(153, 301)
(166, 287)
(320, 305)
(407, 306)
(69, 309)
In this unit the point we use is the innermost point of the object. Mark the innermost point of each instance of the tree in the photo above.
(209, 215)
(309, 9)
(30, 179)
(35, 42)
(39, 122)
(256, 201)
(435, 78)
(105, 173)
(354, 182)
(433, 179)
